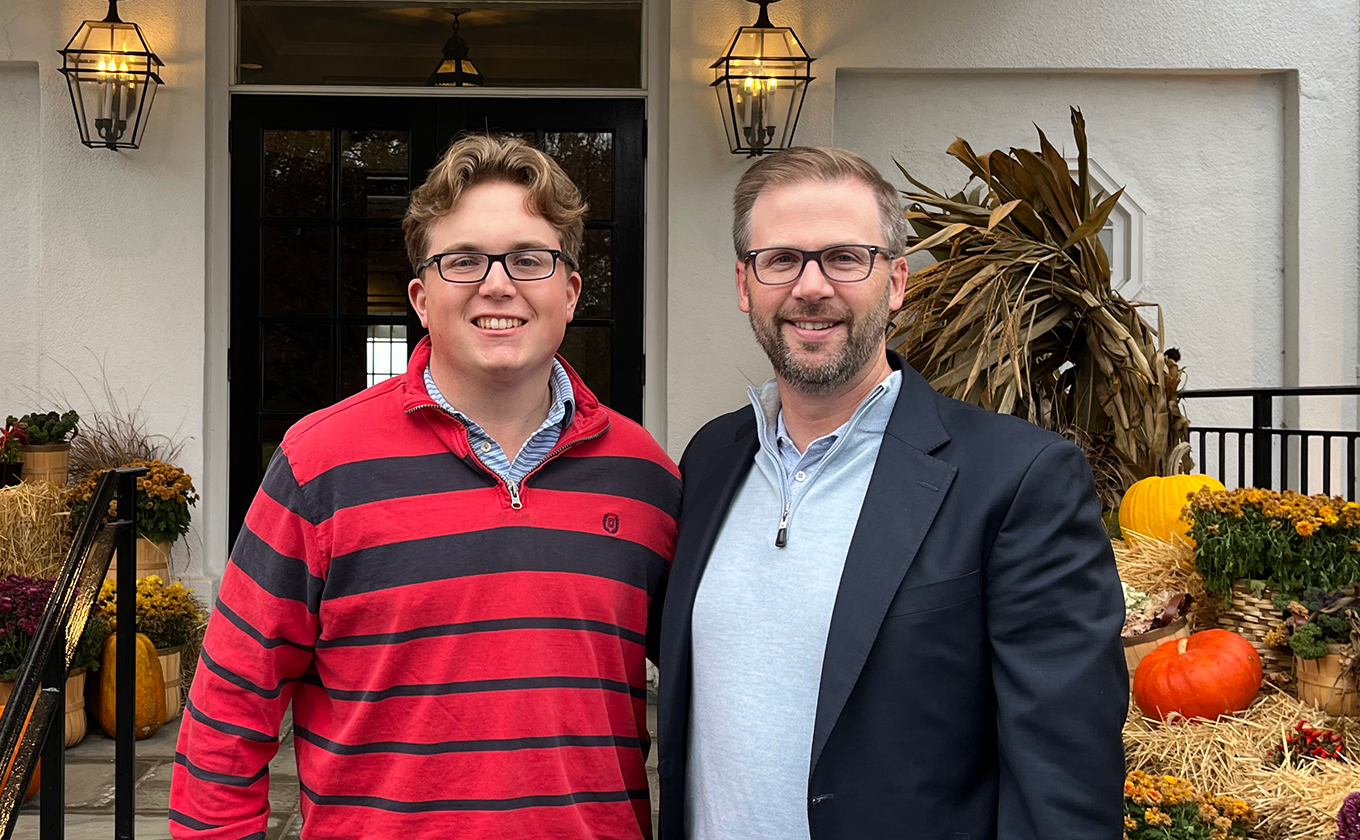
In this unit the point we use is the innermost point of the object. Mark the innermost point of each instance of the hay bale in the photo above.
(1231, 756)
(35, 529)
(1158, 565)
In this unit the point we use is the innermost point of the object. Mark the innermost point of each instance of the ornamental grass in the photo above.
(1288, 541)
(1295, 799)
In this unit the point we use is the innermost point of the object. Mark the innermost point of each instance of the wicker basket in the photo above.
(1324, 684)
(1252, 616)
(1136, 647)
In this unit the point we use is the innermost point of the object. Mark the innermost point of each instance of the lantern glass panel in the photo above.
(112, 75)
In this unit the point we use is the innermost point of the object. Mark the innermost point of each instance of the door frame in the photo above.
(207, 565)
(430, 123)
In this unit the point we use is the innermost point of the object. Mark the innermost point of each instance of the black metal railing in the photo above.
(41, 681)
(1262, 455)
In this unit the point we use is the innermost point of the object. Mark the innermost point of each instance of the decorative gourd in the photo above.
(1152, 507)
(149, 692)
(1212, 673)
(36, 781)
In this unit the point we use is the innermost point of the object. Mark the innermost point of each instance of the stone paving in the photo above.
(89, 787)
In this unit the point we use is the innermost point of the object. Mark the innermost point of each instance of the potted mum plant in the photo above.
(164, 495)
(22, 601)
(1160, 807)
(171, 617)
(46, 451)
(11, 441)
(1254, 547)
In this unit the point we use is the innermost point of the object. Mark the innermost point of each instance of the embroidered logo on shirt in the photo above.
(611, 523)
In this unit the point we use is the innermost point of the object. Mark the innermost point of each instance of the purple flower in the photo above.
(1348, 820)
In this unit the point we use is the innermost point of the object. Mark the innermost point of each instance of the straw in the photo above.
(35, 523)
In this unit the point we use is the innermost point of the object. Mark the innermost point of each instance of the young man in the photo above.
(451, 575)
(892, 614)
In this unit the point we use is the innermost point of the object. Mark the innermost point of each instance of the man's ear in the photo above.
(743, 292)
(898, 283)
(416, 291)
(573, 293)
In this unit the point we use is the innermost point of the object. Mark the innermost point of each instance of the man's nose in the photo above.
(497, 282)
(812, 283)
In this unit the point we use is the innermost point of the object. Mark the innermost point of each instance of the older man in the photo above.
(891, 614)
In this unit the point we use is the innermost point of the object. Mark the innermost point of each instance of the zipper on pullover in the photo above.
(511, 488)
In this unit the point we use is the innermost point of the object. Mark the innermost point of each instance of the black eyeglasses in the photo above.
(473, 267)
(841, 263)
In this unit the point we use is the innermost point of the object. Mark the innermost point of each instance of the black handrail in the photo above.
(49, 658)
(1266, 471)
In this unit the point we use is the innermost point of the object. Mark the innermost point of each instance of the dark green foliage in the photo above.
(43, 429)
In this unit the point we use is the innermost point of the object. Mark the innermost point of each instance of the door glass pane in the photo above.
(551, 43)
(295, 271)
(297, 173)
(597, 279)
(586, 349)
(369, 354)
(588, 157)
(374, 271)
(374, 174)
(272, 430)
(296, 367)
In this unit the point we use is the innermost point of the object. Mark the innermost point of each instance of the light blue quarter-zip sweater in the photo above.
(760, 623)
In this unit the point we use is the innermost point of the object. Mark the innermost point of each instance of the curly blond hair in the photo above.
(484, 158)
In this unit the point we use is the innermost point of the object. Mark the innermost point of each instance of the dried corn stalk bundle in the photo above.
(1018, 314)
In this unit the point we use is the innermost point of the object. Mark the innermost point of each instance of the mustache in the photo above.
(803, 311)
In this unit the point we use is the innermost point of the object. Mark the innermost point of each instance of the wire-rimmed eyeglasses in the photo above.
(473, 266)
(840, 263)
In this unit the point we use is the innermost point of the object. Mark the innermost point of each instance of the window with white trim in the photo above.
(1122, 235)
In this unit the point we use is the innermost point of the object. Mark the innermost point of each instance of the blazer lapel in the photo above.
(905, 492)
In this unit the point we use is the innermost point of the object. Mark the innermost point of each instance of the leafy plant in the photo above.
(46, 429)
(168, 614)
(1288, 542)
(164, 496)
(1018, 314)
(1166, 807)
(11, 438)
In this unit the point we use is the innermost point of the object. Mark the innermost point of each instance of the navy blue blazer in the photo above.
(973, 686)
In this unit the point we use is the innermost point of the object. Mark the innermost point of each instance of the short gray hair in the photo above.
(816, 163)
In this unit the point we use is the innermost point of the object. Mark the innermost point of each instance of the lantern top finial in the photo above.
(763, 22)
(112, 16)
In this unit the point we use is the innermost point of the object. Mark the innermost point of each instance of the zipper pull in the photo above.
(514, 495)
(782, 538)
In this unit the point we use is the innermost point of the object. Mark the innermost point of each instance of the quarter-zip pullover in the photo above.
(760, 623)
(465, 660)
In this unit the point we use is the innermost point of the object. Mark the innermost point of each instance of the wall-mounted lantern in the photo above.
(456, 70)
(113, 75)
(761, 79)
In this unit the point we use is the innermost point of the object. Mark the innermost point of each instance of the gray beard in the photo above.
(828, 374)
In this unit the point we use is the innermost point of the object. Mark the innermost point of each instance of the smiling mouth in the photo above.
(496, 324)
(815, 326)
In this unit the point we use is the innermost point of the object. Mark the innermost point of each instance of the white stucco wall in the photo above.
(105, 249)
(711, 354)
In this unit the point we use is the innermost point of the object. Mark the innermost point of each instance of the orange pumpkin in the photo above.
(1152, 507)
(149, 691)
(1212, 673)
(36, 781)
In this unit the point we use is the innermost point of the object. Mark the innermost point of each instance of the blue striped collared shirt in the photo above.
(536, 449)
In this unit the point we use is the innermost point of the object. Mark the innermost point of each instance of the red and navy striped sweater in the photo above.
(459, 667)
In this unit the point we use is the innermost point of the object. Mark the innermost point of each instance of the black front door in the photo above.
(319, 271)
